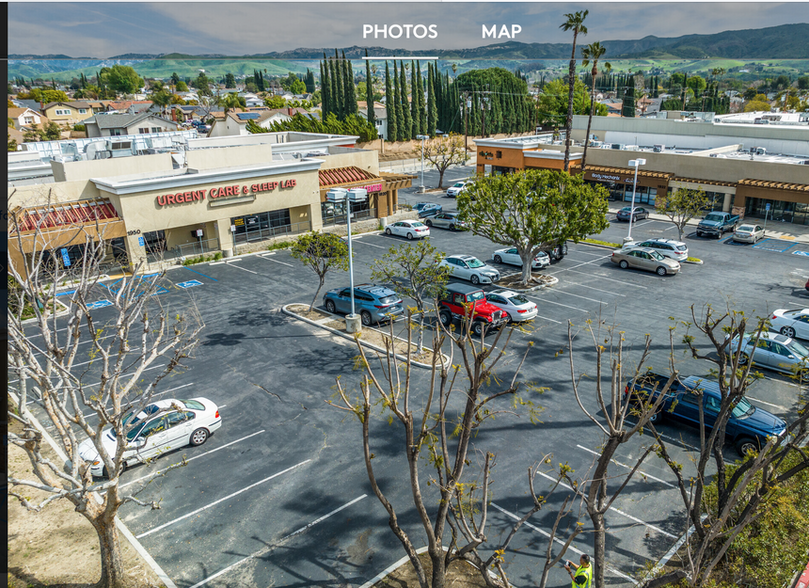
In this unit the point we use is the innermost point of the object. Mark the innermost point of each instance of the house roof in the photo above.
(18, 112)
(32, 104)
(76, 105)
(124, 104)
(117, 121)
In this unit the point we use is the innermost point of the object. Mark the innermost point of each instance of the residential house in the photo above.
(111, 125)
(380, 117)
(25, 117)
(235, 123)
(67, 113)
(251, 99)
(32, 104)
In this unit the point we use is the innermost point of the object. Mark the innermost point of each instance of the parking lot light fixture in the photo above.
(423, 138)
(636, 163)
(337, 195)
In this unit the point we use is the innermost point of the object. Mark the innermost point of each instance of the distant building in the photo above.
(112, 125)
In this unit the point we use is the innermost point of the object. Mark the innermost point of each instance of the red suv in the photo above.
(461, 300)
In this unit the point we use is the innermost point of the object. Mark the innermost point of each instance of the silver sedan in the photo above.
(511, 256)
(447, 220)
(776, 352)
(748, 234)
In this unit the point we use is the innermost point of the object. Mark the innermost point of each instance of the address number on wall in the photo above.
(135, 232)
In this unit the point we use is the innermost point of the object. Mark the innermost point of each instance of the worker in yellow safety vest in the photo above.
(582, 575)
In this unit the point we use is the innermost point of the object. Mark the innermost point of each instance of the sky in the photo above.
(105, 29)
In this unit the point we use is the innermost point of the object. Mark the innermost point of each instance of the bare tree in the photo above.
(614, 408)
(444, 152)
(742, 491)
(50, 356)
(434, 432)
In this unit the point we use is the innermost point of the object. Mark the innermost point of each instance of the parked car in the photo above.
(717, 224)
(373, 303)
(512, 257)
(638, 214)
(645, 258)
(427, 208)
(467, 267)
(447, 220)
(160, 427)
(676, 250)
(557, 252)
(517, 307)
(748, 426)
(748, 234)
(460, 301)
(776, 352)
(411, 229)
(455, 189)
(791, 323)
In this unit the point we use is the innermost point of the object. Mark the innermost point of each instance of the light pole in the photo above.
(636, 163)
(423, 138)
(336, 195)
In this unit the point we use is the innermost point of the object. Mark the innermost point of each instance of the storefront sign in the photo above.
(607, 178)
(224, 192)
(372, 188)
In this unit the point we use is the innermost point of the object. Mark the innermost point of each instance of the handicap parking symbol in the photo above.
(99, 304)
(804, 253)
(189, 284)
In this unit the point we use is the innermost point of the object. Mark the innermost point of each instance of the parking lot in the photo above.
(279, 495)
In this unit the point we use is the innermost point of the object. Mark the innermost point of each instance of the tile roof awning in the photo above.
(63, 216)
(344, 175)
(705, 182)
(629, 170)
(774, 185)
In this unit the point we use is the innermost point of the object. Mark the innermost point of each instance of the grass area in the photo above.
(203, 258)
(604, 243)
(279, 245)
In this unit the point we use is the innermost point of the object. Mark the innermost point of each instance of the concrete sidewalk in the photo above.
(774, 229)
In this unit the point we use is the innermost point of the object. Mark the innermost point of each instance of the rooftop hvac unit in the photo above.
(120, 148)
(659, 148)
(616, 146)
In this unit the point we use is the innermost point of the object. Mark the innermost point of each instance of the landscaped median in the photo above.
(608, 245)
(369, 337)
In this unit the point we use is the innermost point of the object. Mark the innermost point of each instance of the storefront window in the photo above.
(778, 210)
(335, 213)
(264, 225)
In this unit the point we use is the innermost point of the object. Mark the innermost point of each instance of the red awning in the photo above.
(344, 175)
(75, 213)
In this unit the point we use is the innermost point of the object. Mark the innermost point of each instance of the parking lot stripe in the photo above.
(275, 261)
(267, 549)
(670, 438)
(559, 541)
(241, 268)
(778, 406)
(627, 515)
(159, 472)
(597, 289)
(200, 273)
(570, 269)
(585, 298)
(549, 319)
(214, 503)
(366, 243)
(558, 303)
(611, 280)
(623, 465)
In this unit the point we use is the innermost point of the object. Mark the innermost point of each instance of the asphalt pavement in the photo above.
(280, 496)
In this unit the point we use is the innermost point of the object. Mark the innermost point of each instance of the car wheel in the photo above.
(699, 234)
(330, 306)
(452, 227)
(509, 320)
(661, 271)
(746, 444)
(366, 318)
(475, 279)
(387, 232)
(656, 418)
(788, 332)
(478, 328)
(198, 437)
(623, 265)
(743, 359)
(104, 473)
(429, 223)
(445, 317)
(410, 236)
(498, 259)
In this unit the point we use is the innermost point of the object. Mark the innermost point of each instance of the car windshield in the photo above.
(518, 299)
(742, 408)
(681, 247)
(416, 225)
(798, 348)
(474, 262)
(475, 296)
(458, 185)
(713, 217)
(626, 209)
(655, 255)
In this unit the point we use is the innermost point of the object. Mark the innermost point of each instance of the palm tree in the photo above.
(232, 101)
(574, 22)
(592, 53)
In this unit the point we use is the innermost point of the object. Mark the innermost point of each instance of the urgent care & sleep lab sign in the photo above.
(223, 192)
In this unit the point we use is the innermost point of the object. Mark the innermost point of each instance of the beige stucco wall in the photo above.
(38, 194)
(229, 157)
(118, 166)
(344, 157)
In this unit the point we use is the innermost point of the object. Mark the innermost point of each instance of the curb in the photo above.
(288, 312)
(553, 282)
(700, 262)
(119, 524)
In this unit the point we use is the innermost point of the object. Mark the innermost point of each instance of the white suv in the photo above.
(456, 188)
(676, 250)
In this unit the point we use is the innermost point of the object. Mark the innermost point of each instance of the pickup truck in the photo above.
(717, 223)
(748, 426)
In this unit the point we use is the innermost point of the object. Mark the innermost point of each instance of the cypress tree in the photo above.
(369, 91)
(349, 88)
(422, 102)
(432, 110)
(390, 106)
(406, 124)
(415, 117)
(628, 107)
(337, 88)
(397, 99)
(325, 95)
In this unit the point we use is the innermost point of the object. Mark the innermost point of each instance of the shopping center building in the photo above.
(742, 167)
(168, 196)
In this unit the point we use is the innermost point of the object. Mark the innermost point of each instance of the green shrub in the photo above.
(279, 245)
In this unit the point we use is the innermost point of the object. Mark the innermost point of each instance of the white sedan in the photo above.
(791, 323)
(512, 257)
(468, 267)
(748, 234)
(515, 306)
(160, 427)
(456, 188)
(412, 229)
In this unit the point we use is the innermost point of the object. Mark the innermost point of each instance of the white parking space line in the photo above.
(570, 269)
(267, 549)
(366, 243)
(566, 293)
(623, 465)
(670, 228)
(778, 406)
(669, 437)
(549, 319)
(559, 541)
(627, 515)
(274, 261)
(214, 503)
(154, 367)
(597, 289)
(588, 253)
(159, 472)
(92, 414)
(241, 268)
(557, 303)
(611, 280)
(634, 225)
